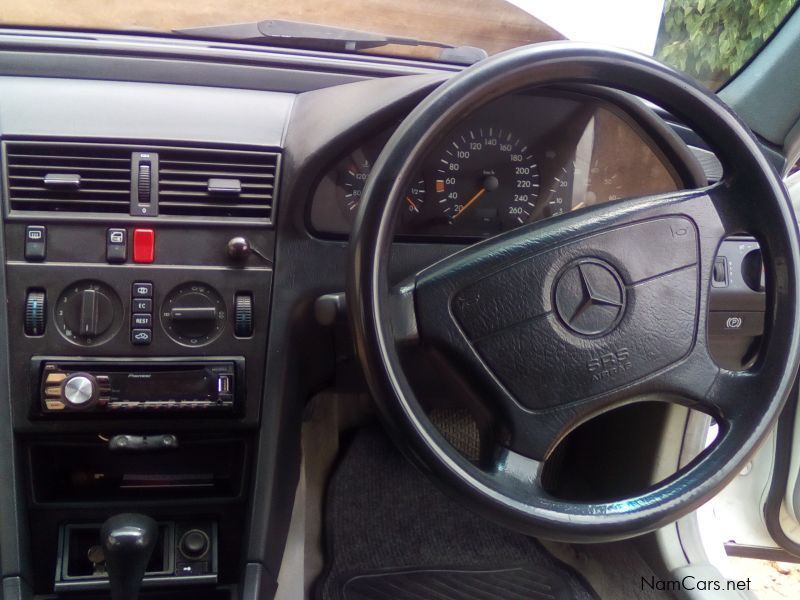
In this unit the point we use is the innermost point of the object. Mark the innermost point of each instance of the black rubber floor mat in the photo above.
(510, 584)
(388, 531)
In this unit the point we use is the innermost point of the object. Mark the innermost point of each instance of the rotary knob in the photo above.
(193, 314)
(79, 390)
(88, 313)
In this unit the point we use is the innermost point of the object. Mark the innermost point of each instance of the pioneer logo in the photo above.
(609, 364)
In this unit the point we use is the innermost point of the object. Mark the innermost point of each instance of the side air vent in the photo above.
(68, 177)
(216, 183)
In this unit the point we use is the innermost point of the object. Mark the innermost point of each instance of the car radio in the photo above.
(103, 386)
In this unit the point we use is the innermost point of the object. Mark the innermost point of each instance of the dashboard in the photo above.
(519, 159)
(168, 227)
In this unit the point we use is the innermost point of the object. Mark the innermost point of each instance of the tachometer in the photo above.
(486, 179)
(352, 174)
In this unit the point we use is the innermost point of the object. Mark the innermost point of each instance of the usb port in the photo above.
(224, 384)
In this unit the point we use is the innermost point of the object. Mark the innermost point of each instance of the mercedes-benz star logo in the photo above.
(590, 297)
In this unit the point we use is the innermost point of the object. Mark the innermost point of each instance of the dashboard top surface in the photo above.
(113, 110)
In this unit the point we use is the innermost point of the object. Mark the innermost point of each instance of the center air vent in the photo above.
(216, 183)
(191, 183)
(70, 177)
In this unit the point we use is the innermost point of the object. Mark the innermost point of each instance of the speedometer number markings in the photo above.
(488, 178)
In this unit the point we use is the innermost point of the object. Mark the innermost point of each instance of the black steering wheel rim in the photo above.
(511, 494)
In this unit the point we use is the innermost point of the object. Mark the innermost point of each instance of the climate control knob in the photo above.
(79, 390)
(193, 314)
(88, 313)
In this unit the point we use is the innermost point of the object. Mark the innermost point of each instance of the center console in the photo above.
(137, 317)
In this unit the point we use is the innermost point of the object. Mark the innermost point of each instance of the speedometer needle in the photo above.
(472, 200)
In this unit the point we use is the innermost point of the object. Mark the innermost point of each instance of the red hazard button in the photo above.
(143, 245)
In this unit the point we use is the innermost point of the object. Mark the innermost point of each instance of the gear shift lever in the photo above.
(128, 540)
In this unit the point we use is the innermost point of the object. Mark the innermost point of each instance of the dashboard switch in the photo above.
(141, 337)
(143, 245)
(140, 320)
(35, 242)
(142, 305)
(142, 289)
(116, 245)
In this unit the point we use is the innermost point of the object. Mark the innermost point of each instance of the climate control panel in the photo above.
(90, 313)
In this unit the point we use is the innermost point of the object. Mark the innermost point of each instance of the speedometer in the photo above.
(485, 180)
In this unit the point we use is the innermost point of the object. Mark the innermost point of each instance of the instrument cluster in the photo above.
(519, 159)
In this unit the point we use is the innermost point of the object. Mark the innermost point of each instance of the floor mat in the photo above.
(390, 534)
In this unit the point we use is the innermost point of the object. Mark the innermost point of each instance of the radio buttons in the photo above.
(55, 378)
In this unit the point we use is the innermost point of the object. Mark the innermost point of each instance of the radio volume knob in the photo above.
(79, 390)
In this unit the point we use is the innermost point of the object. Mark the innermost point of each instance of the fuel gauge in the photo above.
(413, 201)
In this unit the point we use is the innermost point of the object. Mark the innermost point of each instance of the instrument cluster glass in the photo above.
(517, 160)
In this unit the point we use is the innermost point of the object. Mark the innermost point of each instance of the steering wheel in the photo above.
(563, 319)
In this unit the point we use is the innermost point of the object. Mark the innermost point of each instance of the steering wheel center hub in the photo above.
(589, 297)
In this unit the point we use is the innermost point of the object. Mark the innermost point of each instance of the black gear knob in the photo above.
(128, 540)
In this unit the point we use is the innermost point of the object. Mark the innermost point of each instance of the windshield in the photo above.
(708, 39)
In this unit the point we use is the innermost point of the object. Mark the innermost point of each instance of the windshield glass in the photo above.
(708, 39)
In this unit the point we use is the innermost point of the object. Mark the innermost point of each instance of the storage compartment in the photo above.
(81, 544)
(87, 471)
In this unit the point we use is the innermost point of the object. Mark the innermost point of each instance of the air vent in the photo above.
(216, 183)
(68, 177)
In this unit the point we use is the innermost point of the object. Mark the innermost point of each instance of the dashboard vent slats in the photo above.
(67, 177)
(76, 178)
(216, 183)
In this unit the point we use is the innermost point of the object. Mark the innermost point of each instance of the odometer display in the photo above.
(486, 180)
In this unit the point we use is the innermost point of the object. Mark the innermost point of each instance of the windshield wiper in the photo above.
(323, 37)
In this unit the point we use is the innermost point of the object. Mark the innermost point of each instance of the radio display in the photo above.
(177, 385)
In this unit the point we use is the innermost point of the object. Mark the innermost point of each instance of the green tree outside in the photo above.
(712, 39)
